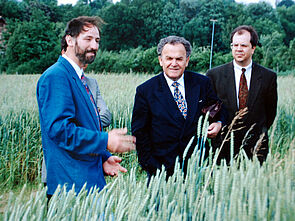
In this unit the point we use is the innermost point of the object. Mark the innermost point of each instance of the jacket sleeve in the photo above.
(212, 99)
(271, 101)
(141, 127)
(60, 120)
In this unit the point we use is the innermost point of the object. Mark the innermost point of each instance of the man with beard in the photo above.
(74, 146)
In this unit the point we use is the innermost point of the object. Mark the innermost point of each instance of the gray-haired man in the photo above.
(167, 108)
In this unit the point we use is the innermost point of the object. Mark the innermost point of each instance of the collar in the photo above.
(170, 81)
(78, 70)
(248, 67)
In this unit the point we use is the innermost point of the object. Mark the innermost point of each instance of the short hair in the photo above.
(241, 29)
(174, 40)
(76, 26)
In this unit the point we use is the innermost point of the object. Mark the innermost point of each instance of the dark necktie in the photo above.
(179, 99)
(92, 99)
(243, 90)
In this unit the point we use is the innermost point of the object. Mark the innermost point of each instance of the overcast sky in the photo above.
(245, 1)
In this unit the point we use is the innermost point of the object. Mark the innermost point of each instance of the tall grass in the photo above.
(20, 137)
(242, 191)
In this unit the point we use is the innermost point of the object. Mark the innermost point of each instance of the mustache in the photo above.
(91, 51)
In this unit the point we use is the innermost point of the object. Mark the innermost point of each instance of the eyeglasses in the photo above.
(235, 45)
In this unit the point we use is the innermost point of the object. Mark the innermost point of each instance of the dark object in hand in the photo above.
(213, 109)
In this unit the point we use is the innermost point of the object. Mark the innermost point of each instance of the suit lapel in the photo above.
(91, 86)
(230, 86)
(77, 81)
(165, 97)
(192, 94)
(255, 84)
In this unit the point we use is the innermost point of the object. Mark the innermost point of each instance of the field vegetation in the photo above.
(242, 191)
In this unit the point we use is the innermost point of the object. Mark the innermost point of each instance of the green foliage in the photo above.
(119, 32)
(242, 191)
(20, 137)
(141, 24)
(287, 18)
(20, 152)
(32, 46)
(140, 60)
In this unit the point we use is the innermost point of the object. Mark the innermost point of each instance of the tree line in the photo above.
(132, 29)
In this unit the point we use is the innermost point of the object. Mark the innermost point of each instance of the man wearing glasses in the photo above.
(243, 85)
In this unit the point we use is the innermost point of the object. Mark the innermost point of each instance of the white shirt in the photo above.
(238, 73)
(78, 70)
(180, 87)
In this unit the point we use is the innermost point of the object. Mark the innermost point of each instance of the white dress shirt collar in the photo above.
(181, 86)
(248, 67)
(78, 70)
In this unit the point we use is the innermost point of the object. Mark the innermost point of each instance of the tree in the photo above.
(33, 46)
(10, 9)
(120, 31)
(286, 3)
(172, 20)
(198, 30)
(287, 20)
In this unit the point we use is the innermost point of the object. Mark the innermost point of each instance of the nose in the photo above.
(94, 45)
(174, 63)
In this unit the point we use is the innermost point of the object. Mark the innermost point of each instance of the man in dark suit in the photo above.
(167, 108)
(74, 145)
(244, 84)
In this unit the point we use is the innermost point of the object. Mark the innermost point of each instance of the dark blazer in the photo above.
(161, 132)
(73, 146)
(262, 104)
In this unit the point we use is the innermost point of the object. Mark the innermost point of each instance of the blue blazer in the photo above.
(73, 146)
(161, 132)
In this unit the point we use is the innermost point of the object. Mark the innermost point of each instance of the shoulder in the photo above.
(57, 73)
(152, 82)
(195, 77)
(220, 69)
(265, 71)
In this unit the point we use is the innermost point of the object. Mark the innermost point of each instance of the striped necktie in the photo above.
(179, 99)
(92, 100)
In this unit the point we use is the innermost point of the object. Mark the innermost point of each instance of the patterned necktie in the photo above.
(243, 90)
(179, 99)
(92, 99)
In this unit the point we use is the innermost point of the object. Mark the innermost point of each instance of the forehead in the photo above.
(90, 30)
(174, 50)
(243, 37)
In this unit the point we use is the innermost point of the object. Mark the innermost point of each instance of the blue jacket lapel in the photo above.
(77, 81)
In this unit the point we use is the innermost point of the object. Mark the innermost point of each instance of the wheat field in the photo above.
(241, 191)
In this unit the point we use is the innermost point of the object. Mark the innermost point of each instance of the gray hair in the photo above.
(174, 40)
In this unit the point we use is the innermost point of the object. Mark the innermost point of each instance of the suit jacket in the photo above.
(73, 146)
(262, 104)
(104, 113)
(161, 132)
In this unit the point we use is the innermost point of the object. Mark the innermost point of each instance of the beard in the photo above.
(82, 55)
